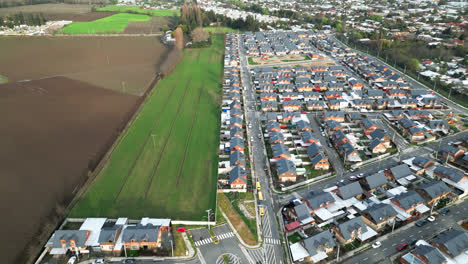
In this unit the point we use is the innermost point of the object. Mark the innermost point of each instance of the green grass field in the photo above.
(221, 30)
(137, 9)
(135, 185)
(3, 79)
(108, 25)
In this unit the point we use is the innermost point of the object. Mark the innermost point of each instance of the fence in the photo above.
(287, 188)
(359, 164)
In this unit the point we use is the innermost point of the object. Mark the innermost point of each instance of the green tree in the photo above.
(338, 27)
(413, 65)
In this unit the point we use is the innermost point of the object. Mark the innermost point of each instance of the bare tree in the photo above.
(199, 34)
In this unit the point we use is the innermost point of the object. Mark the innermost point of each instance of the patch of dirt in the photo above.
(53, 132)
(146, 27)
(83, 17)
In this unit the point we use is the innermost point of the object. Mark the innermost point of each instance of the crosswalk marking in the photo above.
(273, 241)
(225, 235)
(203, 242)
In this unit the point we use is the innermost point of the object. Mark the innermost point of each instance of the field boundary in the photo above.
(190, 134)
(143, 146)
(161, 153)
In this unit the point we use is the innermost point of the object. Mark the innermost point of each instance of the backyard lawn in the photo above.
(109, 25)
(166, 163)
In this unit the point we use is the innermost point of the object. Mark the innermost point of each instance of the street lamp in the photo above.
(208, 219)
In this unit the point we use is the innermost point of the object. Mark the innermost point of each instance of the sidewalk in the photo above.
(237, 234)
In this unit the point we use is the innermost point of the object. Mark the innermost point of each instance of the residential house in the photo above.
(320, 162)
(271, 97)
(280, 151)
(238, 178)
(273, 126)
(276, 138)
(350, 190)
(108, 237)
(377, 146)
(333, 115)
(451, 153)
(303, 126)
(237, 143)
(354, 117)
(236, 132)
(269, 106)
(368, 126)
(332, 126)
(308, 137)
(315, 105)
(303, 214)
(453, 243)
(416, 134)
(408, 201)
(454, 175)
(351, 230)
(378, 215)
(420, 164)
(286, 170)
(319, 246)
(348, 151)
(69, 240)
(424, 254)
(235, 121)
(354, 84)
(433, 191)
(141, 237)
(237, 158)
(375, 183)
(292, 106)
(382, 136)
(438, 126)
(398, 172)
(315, 201)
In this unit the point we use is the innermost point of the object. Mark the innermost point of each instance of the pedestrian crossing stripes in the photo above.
(273, 241)
(203, 242)
(225, 235)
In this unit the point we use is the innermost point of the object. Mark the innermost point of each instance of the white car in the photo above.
(376, 244)
(431, 218)
(72, 260)
(98, 261)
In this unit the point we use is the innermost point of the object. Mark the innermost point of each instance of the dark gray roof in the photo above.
(279, 149)
(316, 243)
(374, 143)
(456, 241)
(420, 161)
(377, 134)
(108, 234)
(285, 165)
(400, 171)
(313, 150)
(367, 123)
(434, 188)
(236, 130)
(315, 200)
(79, 236)
(376, 180)
(140, 232)
(301, 124)
(317, 159)
(381, 212)
(275, 136)
(303, 213)
(237, 173)
(307, 135)
(350, 190)
(351, 226)
(450, 173)
(432, 254)
(273, 124)
(408, 199)
(237, 156)
(236, 141)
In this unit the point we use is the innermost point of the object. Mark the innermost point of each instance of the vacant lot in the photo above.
(165, 165)
(125, 64)
(58, 12)
(51, 130)
(109, 25)
(136, 9)
(154, 25)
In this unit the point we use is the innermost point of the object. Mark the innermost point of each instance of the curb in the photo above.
(237, 234)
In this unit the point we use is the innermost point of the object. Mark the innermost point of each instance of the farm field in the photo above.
(57, 11)
(154, 25)
(52, 129)
(109, 25)
(165, 164)
(221, 30)
(137, 9)
(125, 64)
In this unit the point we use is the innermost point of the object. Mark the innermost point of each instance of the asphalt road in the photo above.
(388, 248)
(270, 232)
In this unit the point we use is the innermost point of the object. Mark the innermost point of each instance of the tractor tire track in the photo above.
(190, 133)
(155, 168)
(140, 152)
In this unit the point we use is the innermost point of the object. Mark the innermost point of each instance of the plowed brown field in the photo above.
(125, 64)
(52, 131)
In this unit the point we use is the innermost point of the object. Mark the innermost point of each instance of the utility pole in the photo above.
(338, 254)
(172, 248)
(393, 226)
(208, 219)
(405, 68)
(450, 92)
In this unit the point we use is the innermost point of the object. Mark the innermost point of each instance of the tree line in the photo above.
(21, 19)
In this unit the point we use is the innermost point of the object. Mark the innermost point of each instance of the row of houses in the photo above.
(279, 43)
(112, 237)
(233, 160)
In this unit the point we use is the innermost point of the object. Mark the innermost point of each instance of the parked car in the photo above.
(402, 246)
(99, 261)
(376, 244)
(431, 218)
(128, 261)
(421, 223)
(412, 241)
(353, 178)
(72, 260)
(444, 211)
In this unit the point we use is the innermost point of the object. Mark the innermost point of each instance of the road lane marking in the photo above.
(375, 253)
(419, 231)
(394, 245)
(365, 259)
(411, 236)
(384, 249)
